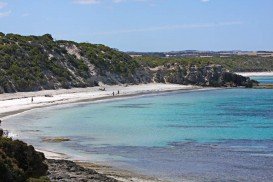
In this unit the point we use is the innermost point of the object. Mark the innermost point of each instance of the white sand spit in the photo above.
(249, 74)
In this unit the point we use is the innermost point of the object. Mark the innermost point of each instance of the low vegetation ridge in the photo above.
(233, 63)
(31, 63)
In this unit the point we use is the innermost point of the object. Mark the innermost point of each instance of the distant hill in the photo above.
(31, 63)
(201, 54)
(232, 63)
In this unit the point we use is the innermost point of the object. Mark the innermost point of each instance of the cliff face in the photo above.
(31, 63)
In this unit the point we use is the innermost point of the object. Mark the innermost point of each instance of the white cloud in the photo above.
(172, 27)
(5, 14)
(2, 4)
(120, 1)
(86, 1)
(98, 1)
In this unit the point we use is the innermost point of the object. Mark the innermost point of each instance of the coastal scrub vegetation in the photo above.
(109, 59)
(32, 63)
(29, 63)
(20, 162)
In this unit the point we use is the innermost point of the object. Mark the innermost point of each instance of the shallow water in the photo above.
(224, 134)
(264, 79)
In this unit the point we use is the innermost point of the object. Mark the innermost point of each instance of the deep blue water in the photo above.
(224, 134)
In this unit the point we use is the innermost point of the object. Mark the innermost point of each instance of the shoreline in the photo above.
(119, 174)
(9, 108)
(15, 103)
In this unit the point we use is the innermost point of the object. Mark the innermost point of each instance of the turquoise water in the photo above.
(224, 134)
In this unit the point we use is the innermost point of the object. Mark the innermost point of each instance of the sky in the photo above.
(146, 25)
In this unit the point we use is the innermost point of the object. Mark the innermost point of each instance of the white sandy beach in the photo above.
(12, 103)
(249, 74)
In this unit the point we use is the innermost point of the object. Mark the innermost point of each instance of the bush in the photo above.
(19, 161)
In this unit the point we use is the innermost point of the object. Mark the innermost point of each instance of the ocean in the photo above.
(216, 134)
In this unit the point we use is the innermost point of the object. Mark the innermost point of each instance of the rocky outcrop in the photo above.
(63, 170)
(209, 75)
(238, 80)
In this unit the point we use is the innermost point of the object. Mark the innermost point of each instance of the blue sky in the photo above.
(146, 25)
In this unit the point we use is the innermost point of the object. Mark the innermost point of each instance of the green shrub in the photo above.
(19, 161)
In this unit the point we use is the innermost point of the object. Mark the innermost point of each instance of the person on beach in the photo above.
(118, 92)
(113, 93)
(31, 99)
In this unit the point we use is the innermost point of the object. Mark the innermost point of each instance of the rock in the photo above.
(56, 140)
(47, 95)
(63, 170)
(209, 75)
